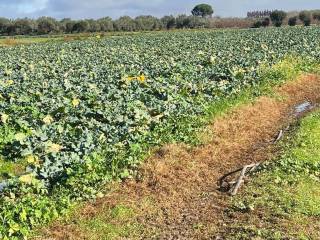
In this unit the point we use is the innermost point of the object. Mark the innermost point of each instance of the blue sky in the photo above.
(114, 8)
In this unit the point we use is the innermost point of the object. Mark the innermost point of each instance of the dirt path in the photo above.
(177, 195)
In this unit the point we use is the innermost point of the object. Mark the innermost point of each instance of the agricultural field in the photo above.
(76, 115)
(9, 41)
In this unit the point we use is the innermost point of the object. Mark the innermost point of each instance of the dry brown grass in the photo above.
(181, 182)
(231, 23)
(68, 38)
(10, 42)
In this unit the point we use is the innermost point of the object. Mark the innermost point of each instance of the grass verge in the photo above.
(283, 201)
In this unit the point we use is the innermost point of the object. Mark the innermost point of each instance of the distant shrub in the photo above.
(230, 22)
(293, 21)
(257, 24)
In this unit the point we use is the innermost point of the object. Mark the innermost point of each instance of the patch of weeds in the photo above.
(122, 213)
(252, 232)
(198, 226)
(12, 168)
(7, 166)
(307, 197)
(99, 229)
(287, 69)
(103, 230)
(112, 223)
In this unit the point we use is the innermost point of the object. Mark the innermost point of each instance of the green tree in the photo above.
(47, 25)
(106, 24)
(305, 17)
(70, 26)
(147, 23)
(293, 21)
(183, 21)
(63, 24)
(94, 25)
(24, 26)
(81, 26)
(266, 22)
(316, 15)
(196, 22)
(125, 23)
(202, 10)
(169, 22)
(257, 24)
(4, 25)
(277, 17)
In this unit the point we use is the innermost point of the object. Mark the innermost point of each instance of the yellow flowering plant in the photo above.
(141, 78)
(75, 102)
(47, 120)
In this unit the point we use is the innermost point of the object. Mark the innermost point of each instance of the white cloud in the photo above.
(116, 8)
(21, 8)
(31, 6)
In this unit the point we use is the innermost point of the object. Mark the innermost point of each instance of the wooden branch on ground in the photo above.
(280, 135)
(246, 169)
(233, 186)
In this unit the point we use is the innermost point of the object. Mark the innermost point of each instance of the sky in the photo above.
(78, 9)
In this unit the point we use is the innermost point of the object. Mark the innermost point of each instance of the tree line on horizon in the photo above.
(48, 25)
(201, 17)
(278, 17)
(259, 14)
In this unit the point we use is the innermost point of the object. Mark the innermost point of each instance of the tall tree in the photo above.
(266, 22)
(305, 17)
(81, 26)
(4, 25)
(63, 24)
(293, 21)
(277, 17)
(168, 22)
(196, 22)
(183, 21)
(70, 26)
(24, 26)
(47, 25)
(316, 15)
(106, 24)
(94, 25)
(202, 10)
(147, 23)
(125, 23)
